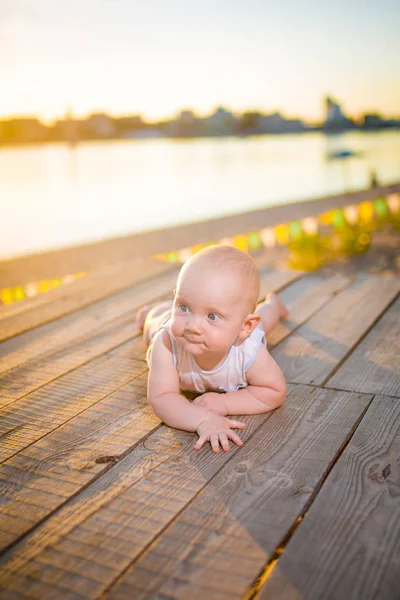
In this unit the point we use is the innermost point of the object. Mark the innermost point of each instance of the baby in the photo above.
(211, 339)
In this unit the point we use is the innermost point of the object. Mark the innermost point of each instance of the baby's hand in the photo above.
(213, 401)
(216, 430)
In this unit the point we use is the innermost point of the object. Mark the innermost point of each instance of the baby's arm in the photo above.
(175, 410)
(266, 390)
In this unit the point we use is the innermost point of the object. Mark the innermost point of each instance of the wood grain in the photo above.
(316, 348)
(374, 366)
(34, 416)
(72, 531)
(219, 543)
(53, 469)
(52, 336)
(118, 532)
(303, 298)
(348, 544)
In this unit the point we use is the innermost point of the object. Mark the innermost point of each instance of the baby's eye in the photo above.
(213, 316)
(183, 308)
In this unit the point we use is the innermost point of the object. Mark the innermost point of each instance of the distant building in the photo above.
(335, 118)
(23, 130)
(221, 122)
(100, 126)
(372, 121)
(127, 127)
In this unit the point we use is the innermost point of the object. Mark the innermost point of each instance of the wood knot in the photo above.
(106, 459)
(241, 468)
(375, 474)
(305, 489)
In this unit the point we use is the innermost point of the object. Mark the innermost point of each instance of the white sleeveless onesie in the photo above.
(228, 376)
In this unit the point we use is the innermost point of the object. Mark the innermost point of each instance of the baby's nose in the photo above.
(194, 323)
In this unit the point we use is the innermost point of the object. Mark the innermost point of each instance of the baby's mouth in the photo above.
(192, 339)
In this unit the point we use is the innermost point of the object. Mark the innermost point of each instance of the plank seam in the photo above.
(75, 415)
(323, 305)
(108, 467)
(167, 525)
(277, 554)
(359, 341)
(76, 368)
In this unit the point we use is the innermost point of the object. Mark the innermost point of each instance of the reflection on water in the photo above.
(54, 195)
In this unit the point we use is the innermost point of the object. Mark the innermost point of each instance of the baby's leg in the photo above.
(148, 318)
(271, 311)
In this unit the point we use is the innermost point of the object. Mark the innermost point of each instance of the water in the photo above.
(54, 196)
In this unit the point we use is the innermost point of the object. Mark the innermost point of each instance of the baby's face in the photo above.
(209, 311)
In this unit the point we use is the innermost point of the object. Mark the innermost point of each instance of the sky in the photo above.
(156, 57)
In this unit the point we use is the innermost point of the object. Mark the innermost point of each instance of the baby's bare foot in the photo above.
(142, 314)
(274, 299)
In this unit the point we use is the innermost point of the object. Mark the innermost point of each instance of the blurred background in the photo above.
(122, 116)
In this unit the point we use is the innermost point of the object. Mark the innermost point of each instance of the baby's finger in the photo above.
(200, 442)
(223, 438)
(197, 400)
(236, 424)
(234, 437)
(214, 441)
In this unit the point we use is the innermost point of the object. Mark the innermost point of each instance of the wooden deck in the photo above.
(100, 500)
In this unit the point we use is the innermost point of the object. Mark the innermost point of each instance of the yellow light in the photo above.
(326, 218)
(44, 286)
(366, 211)
(6, 296)
(282, 234)
(268, 237)
(19, 293)
(241, 242)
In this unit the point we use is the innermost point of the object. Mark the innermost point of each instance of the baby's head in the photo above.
(215, 300)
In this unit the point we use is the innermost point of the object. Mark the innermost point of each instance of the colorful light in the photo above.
(310, 225)
(268, 237)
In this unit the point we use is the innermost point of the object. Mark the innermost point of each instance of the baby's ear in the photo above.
(249, 324)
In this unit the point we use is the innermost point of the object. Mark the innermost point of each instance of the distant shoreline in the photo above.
(151, 135)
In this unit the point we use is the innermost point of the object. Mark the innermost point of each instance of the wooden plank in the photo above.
(87, 257)
(303, 298)
(316, 348)
(149, 453)
(74, 519)
(374, 366)
(39, 413)
(75, 326)
(42, 477)
(348, 544)
(242, 515)
(47, 307)
(26, 378)
(282, 462)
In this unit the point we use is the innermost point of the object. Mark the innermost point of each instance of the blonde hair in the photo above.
(227, 258)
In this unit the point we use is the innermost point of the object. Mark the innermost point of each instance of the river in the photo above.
(55, 195)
